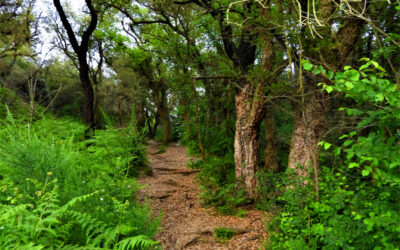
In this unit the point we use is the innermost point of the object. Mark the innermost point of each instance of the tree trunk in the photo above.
(310, 119)
(164, 117)
(186, 119)
(81, 51)
(140, 115)
(153, 128)
(88, 100)
(160, 98)
(249, 114)
(271, 141)
(308, 129)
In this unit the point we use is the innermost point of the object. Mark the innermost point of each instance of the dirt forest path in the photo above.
(185, 224)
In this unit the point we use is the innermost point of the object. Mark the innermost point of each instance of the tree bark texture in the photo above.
(271, 141)
(310, 116)
(268, 65)
(249, 115)
(308, 129)
(88, 100)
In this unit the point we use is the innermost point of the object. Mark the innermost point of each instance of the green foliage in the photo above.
(13, 102)
(217, 182)
(121, 148)
(358, 206)
(58, 192)
(223, 233)
(161, 149)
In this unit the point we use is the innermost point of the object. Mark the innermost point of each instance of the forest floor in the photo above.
(174, 191)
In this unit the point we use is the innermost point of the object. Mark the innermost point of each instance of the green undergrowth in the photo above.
(358, 205)
(57, 192)
(217, 184)
(161, 149)
(224, 234)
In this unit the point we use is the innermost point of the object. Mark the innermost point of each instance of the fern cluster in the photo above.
(56, 192)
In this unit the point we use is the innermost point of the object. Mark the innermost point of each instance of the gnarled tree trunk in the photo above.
(308, 129)
(310, 117)
(249, 115)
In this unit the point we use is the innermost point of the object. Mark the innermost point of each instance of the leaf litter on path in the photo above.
(185, 224)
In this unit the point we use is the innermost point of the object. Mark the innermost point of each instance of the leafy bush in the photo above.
(359, 204)
(59, 193)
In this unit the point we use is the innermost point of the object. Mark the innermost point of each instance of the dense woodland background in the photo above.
(292, 106)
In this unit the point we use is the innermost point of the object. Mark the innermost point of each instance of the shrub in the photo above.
(358, 206)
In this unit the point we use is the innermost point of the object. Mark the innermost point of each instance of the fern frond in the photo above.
(137, 242)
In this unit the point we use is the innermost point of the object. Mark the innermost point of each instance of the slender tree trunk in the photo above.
(164, 117)
(81, 51)
(140, 115)
(88, 100)
(160, 98)
(153, 128)
(186, 119)
(268, 64)
(271, 141)
(249, 114)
